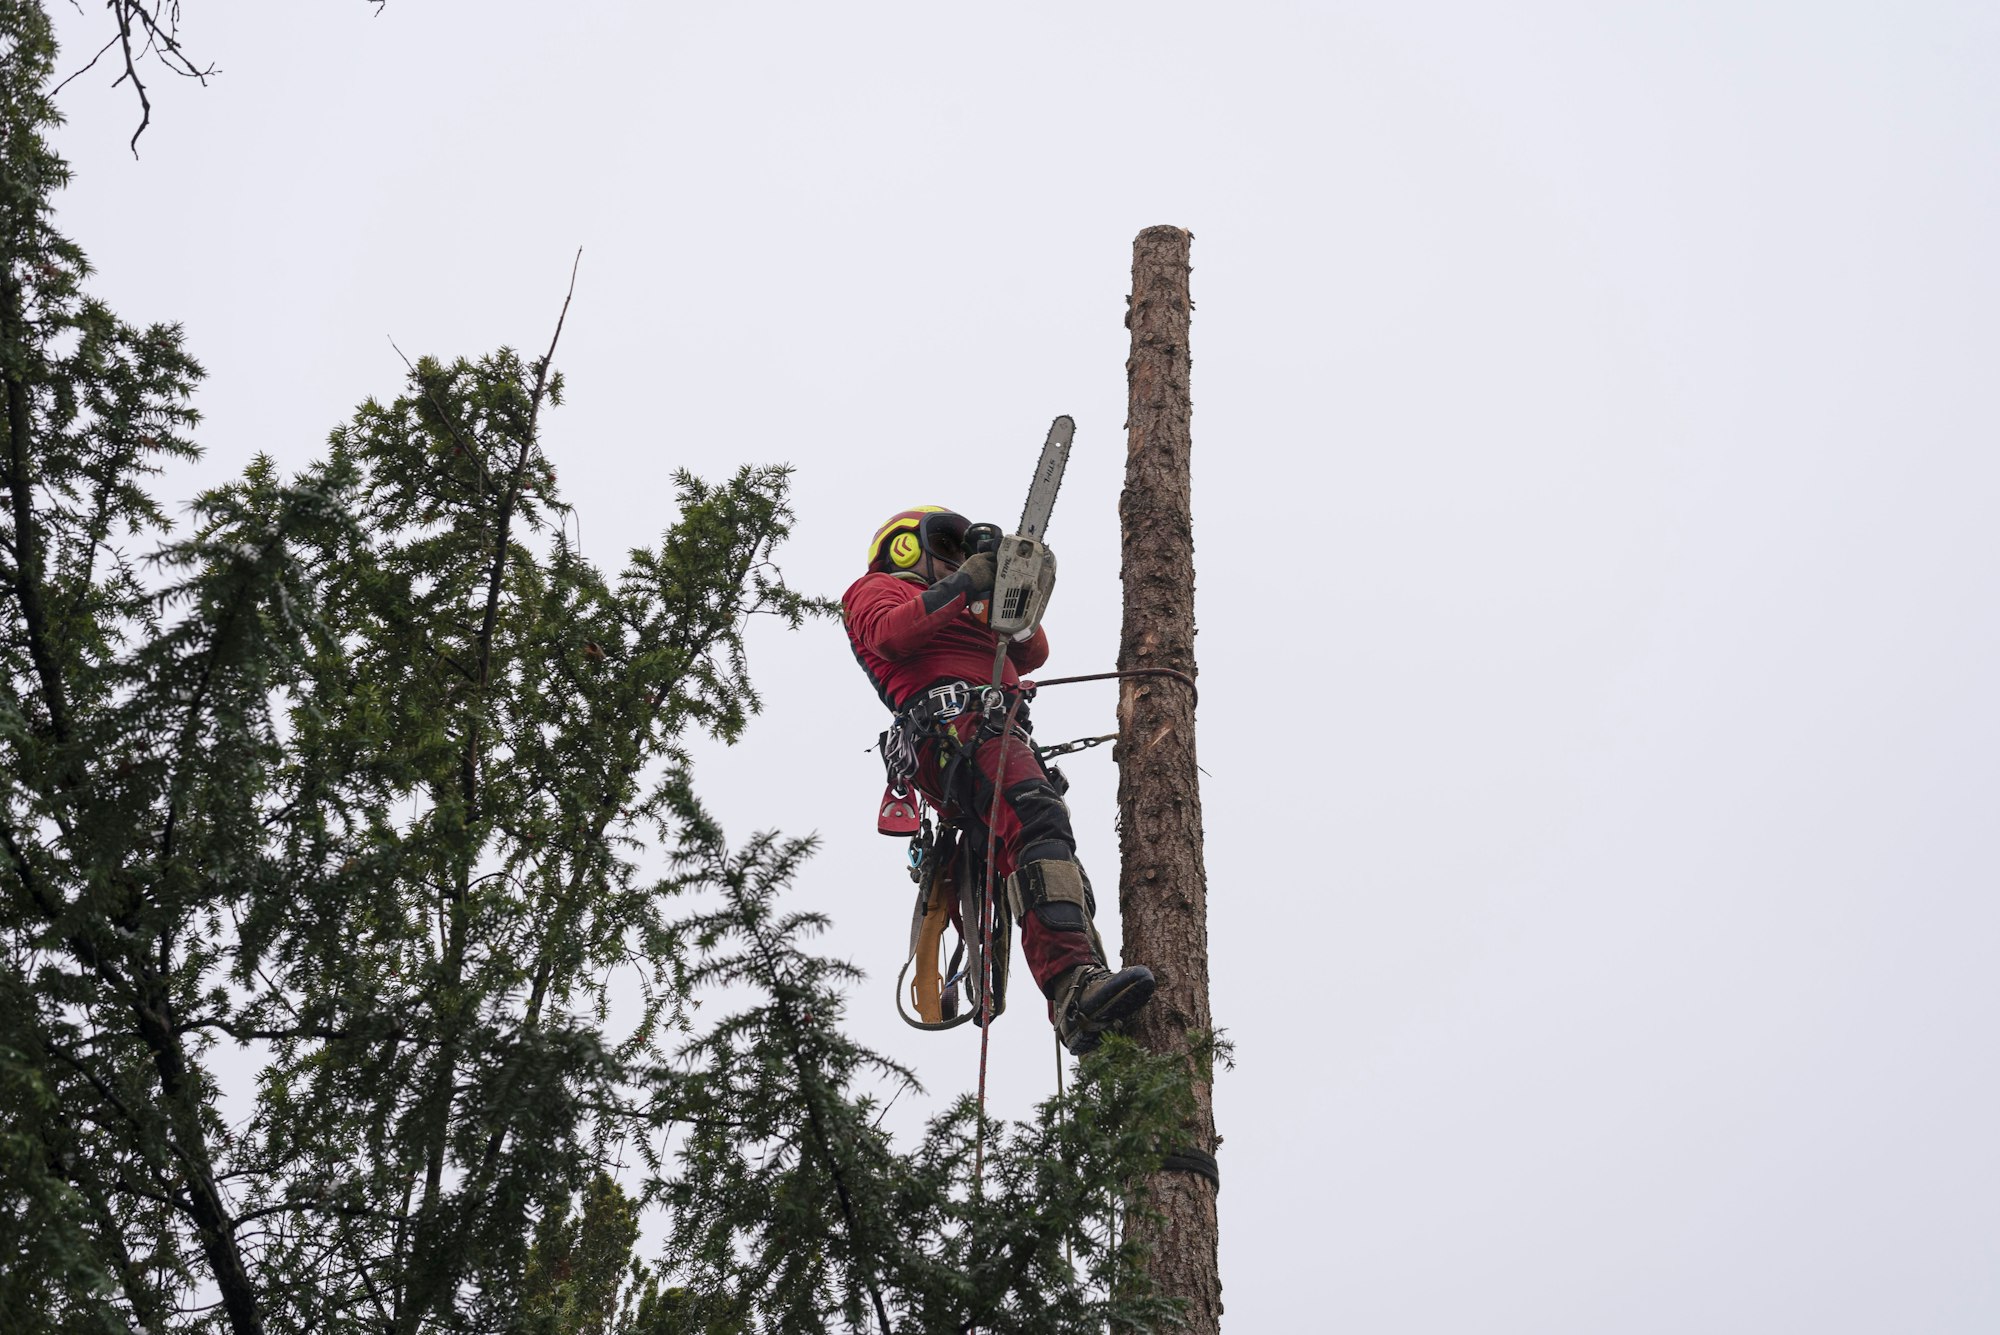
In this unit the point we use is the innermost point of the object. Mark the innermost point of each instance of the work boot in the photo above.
(1091, 998)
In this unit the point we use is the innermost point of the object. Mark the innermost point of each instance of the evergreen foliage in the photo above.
(788, 1200)
(334, 988)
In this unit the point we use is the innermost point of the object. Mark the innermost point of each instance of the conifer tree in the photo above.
(93, 405)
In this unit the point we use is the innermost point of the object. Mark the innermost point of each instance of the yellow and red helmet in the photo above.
(909, 536)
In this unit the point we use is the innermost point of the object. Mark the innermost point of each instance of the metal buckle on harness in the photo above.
(947, 702)
(994, 701)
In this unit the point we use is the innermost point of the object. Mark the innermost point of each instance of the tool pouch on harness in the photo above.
(951, 884)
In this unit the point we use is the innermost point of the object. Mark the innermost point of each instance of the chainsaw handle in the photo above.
(982, 538)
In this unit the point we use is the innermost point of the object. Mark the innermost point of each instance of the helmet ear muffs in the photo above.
(900, 545)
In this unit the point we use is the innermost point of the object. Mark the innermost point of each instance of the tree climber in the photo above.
(928, 657)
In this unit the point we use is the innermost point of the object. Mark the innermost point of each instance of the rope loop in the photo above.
(1172, 674)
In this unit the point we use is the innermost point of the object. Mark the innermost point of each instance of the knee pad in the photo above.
(1062, 917)
(1056, 892)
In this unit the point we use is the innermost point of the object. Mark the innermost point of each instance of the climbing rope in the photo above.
(986, 919)
(1173, 674)
(1062, 1123)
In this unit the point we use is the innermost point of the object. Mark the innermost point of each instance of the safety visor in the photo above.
(943, 536)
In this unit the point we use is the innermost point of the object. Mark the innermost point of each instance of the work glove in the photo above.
(973, 578)
(977, 571)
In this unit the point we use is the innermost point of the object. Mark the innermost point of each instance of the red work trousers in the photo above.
(1031, 825)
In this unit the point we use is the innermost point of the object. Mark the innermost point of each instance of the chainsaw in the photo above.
(1024, 568)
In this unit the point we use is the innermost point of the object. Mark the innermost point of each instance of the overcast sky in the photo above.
(1596, 501)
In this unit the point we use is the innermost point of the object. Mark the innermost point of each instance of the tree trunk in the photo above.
(1163, 888)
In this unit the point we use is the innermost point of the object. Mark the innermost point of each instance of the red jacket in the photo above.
(903, 649)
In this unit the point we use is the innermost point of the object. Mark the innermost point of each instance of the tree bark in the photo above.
(1163, 886)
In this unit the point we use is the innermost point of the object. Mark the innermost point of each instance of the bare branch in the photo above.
(542, 368)
(158, 27)
(69, 78)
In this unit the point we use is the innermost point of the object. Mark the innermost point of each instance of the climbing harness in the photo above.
(936, 989)
(952, 880)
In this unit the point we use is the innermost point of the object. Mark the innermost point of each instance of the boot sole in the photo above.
(1123, 1002)
(1120, 1005)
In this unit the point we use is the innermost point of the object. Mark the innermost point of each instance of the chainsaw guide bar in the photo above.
(1048, 480)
